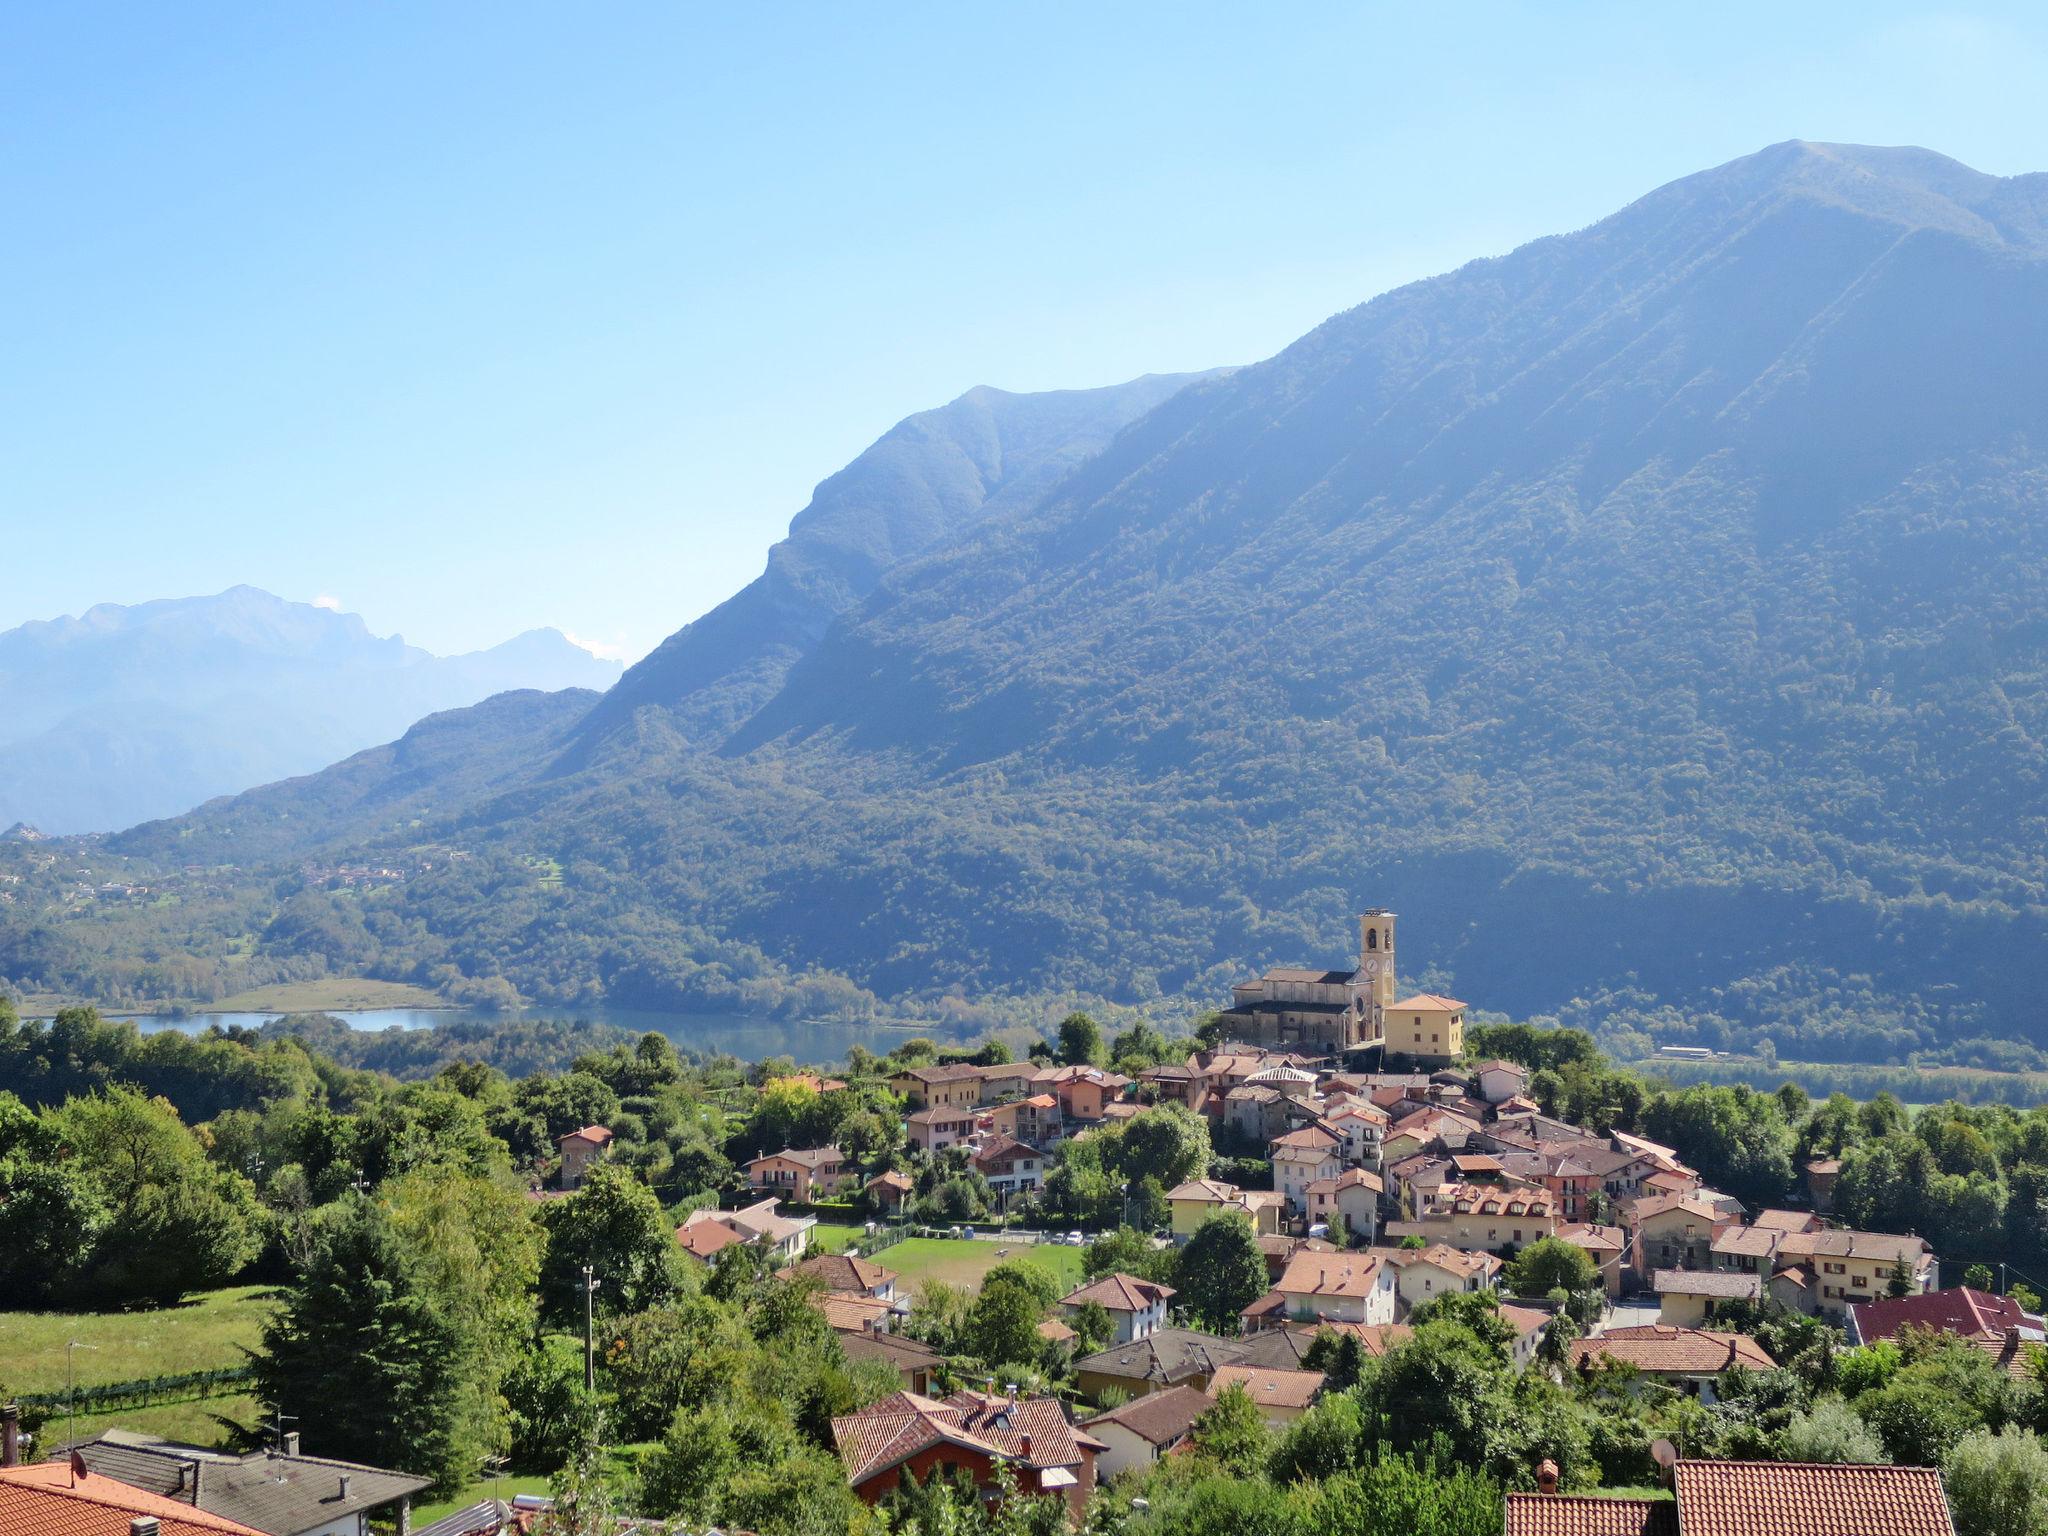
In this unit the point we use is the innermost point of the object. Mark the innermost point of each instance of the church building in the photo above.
(1321, 1012)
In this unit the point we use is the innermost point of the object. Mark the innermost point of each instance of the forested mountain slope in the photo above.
(1655, 615)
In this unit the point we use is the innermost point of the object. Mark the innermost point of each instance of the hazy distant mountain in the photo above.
(128, 713)
(1657, 615)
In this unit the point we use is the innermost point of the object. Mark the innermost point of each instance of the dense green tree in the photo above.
(367, 1358)
(1550, 1264)
(1131, 1251)
(614, 1225)
(1830, 1431)
(175, 1221)
(1998, 1484)
(1220, 1271)
(1168, 1144)
(1736, 1137)
(1002, 1325)
(1232, 1433)
(1080, 1041)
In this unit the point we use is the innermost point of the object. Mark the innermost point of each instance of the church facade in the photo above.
(1321, 1012)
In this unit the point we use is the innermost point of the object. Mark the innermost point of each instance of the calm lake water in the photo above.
(746, 1037)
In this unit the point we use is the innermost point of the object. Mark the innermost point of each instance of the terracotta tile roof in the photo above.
(1657, 1350)
(1742, 1242)
(1330, 1274)
(1158, 1418)
(1754, 1498)
(946, 1116)
(853, 1311)
(1787, 1221)
(1963, 1311)
(703, 1239)
(1268, 1387)
(1310, 1139)
(1457, 1261)
(845, 1272)
(899, 1351)
(1361, 1178)
(1486, 1200)
(1208, 1191)
(597, 1134)
(803, 1157)
(890, 1179)
(47, 1500)
(952, 1072)
(1057, 1332)
(1706, 1282)
(1587, 1235)
(1120, 1292)
(1564, 1514)
(1524, 1320)
(1825, 1165)
(1425, 1002)
(886, 1433)
(1002, 1149)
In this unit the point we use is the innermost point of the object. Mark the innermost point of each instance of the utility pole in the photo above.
(590, 1285)
(71, 1387)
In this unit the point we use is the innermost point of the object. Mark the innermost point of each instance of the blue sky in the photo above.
(472, 318)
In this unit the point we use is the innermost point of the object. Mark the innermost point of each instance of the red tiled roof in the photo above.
(703, 1239)
(1758, 1498)
(1564, 1514)
(1121, 1293)
(48, 1500)
(1425, 1002)
(845, 1272)
(597, 1134)
(889, 1432)
(1658, 1350)
(1960, 1311)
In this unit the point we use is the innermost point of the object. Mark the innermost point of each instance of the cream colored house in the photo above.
(1423, 1274)
(1490, 1217)
(1337, 1287)
(1197, 1200)
(1302, 1157)
(1687, 1298)
(1282, 1396)
(1355, 1195)
(1426, 1027)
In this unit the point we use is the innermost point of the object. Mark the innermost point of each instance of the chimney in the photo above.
(1546, 1476)
(10, 1434)
(291, 1443)
(144, 1525)
(343, 1495)
(1024, 1447)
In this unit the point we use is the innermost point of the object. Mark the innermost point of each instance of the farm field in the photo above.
(961, 1261)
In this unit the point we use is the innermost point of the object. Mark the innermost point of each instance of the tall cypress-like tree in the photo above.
(364, 1356)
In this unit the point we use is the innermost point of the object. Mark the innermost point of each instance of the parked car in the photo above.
(1076, 1240)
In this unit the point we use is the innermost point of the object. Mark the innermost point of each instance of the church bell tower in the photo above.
(1376, 967)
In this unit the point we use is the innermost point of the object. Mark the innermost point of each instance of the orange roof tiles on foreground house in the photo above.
(1749, 1498)
(49, 1499)
(1659, 1350)
(1268, 1386)
(1758, 1498)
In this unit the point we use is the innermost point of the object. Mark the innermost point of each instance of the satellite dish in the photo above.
(1664, 1453)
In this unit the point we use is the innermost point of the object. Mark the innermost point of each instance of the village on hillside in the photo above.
(1064, 1279)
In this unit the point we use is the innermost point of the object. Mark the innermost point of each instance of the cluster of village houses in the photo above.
(1435, 1173)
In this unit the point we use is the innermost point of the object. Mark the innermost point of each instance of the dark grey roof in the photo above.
(1278, 1349)
(1165, 1355)
(283, 1495)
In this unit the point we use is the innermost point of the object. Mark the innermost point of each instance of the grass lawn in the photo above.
(835, 1236)
(207, 1333)
(960, 1261)
(623, 1461)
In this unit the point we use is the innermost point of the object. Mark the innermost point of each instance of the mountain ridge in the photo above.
(1654, 614)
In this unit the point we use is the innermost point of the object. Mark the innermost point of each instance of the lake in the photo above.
(746, 1036)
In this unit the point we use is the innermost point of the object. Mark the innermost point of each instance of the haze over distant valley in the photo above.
(126, 713)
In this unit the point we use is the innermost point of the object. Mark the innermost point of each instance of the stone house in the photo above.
(579, 1149)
